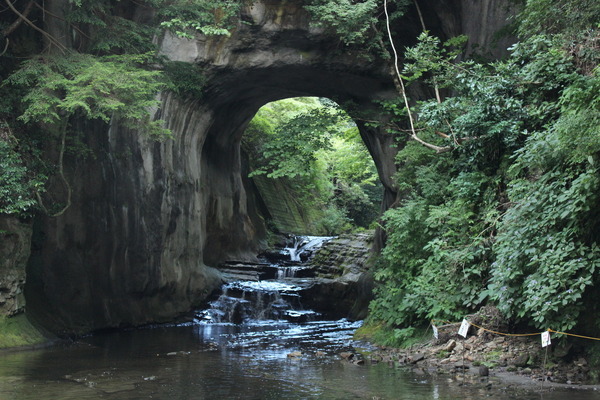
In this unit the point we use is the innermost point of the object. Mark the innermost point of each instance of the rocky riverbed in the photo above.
(488, 359)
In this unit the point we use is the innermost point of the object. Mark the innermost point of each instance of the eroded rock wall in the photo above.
(344, 286)
(15, 244)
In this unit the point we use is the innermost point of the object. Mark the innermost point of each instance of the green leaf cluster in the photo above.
(17, 184)
(357, 23)
(92, 87)
(207, 17)
(351, 20)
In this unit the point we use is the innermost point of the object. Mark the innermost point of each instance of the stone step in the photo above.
(234, 271)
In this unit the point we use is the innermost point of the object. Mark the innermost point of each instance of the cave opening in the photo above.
(311, 170)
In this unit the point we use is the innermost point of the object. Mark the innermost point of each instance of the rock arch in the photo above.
(148, 217)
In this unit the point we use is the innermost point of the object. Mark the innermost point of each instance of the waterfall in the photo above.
(266, 291)
(305, 245)
(248, 300)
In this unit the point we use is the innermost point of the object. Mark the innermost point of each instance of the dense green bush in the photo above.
(508, 215)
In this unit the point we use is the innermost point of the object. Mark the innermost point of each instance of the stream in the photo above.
(254, 341)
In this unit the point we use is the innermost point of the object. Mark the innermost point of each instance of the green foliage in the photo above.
(184, 79)
(17, 186)
(350, 19)
(108, 31)
(333, 221)
(436, 257)
(291, 150)
(558, 16)
(208, 17)
(547, 252)
(100, 30)
(315, 146)
(543, 263)
(509, 215)
(383, 335)
(89, 86)
(357, 23)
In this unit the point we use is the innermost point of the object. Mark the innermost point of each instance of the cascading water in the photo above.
(246, 301)
(268, 291)
(305, 245)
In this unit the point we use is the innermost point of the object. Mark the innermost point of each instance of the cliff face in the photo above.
(149, 218)
(15, 242)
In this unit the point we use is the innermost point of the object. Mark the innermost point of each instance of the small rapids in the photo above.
(278, 299)
(304, 246)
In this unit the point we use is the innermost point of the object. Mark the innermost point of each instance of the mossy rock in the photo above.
(17, 332)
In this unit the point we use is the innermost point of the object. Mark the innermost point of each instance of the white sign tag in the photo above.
(435, 331)
(464, 328)
(546, 339)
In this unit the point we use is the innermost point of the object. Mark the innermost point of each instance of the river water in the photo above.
(255, 341)
(223, 361)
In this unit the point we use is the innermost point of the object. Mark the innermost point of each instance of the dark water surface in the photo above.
(218, 361)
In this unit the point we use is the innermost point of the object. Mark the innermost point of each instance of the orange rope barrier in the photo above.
(515, 334)
(572, 334)
(505, 334)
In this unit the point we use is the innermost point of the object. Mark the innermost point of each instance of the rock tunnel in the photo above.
(150, 219)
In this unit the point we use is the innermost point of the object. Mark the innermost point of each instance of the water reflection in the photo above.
(226, 362)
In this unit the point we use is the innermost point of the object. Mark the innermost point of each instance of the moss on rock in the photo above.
(17, 332)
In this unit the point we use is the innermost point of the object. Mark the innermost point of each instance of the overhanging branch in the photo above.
(24, 18)
(402, 89)
(12, 27)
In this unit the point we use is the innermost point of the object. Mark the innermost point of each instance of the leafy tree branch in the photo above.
(402, 89)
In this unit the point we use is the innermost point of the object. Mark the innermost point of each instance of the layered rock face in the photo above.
(148, 218)
(345, 284)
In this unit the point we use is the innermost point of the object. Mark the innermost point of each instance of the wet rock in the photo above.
(581, 362)
(295, 354)
(461, 366)
(415, 358)
(346, 355)
(562, 350)
(343, 288)
(245, 271)
(521, 360)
